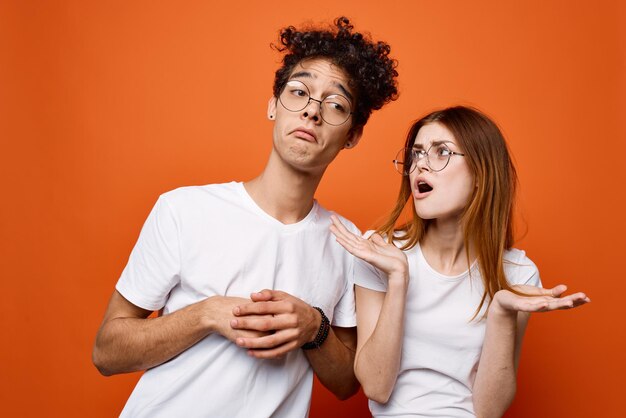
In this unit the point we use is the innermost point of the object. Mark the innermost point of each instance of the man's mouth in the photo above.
(306, 134)
(424, 187)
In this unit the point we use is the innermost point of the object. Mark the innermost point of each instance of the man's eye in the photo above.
(337, 107)
(299, 93)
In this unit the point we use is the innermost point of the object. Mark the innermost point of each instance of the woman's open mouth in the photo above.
(424, 187)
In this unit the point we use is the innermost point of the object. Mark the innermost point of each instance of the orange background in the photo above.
(105, 105)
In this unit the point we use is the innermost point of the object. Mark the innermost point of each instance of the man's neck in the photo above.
(283, 192)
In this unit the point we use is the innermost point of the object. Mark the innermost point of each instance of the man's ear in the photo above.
(271, 108)
(354, 136)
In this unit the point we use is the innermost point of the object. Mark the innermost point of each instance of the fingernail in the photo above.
(233, 323)
(236, 310)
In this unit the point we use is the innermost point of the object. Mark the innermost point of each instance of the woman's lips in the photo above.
(421, 188)
(424, 187)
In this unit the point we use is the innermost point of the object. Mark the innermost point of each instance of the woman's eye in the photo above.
(443, 152)
(299, 93)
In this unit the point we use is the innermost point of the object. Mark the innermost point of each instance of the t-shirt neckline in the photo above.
(442, 276)
(289, 227)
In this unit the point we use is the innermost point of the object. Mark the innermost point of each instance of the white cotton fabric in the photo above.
(214, 240)
(441, 346)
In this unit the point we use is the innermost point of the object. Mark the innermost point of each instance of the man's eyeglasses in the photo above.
(334, 109)
(437, 158)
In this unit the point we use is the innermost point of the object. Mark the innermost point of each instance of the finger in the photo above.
(338, 234)
(349, 242)
(261, 308)
(558, 290)
(246, 333)
(377, 239)
(356, 249)
(264, 322)
(555, 304)
(342, 230)
(344, 236)
(254, 323)
(270, 341)
(577, 299)
(534, 290)
(345, 243)
(276, 352)
(262, 296)
(533, 305)
(529, 290)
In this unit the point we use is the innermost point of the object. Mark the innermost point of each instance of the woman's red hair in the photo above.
(487, 220)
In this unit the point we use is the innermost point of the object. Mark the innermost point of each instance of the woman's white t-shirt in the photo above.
(442, 344)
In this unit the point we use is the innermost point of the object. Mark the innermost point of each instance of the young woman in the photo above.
(443, 300)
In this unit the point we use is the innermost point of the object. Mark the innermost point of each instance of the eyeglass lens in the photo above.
(437, 158)
(334, 109)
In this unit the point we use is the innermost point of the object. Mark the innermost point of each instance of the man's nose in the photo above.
(313, 109)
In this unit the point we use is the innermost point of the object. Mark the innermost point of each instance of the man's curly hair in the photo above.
(371, 71)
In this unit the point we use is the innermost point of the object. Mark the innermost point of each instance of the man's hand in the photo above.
(221, 308)
(289, 321)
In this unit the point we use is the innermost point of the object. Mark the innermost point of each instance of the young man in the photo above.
(214, 351)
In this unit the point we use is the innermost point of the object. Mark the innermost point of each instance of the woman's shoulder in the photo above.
(516, 256)
(520, 269)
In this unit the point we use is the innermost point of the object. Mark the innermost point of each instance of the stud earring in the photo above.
(271, 116)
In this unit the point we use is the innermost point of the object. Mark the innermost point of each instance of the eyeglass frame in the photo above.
(315, 100)
(424, 153)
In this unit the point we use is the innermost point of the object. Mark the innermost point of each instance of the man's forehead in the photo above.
(320, 68)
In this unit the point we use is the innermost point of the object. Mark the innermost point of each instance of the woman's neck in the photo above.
(443, 246)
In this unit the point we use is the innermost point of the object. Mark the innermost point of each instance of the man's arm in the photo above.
(129, 341)
(333, 362)
(293, 323)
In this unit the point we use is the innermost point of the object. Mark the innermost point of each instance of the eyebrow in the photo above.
(306, 74)
(420, 146)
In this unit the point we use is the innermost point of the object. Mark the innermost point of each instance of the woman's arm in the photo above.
(507, 318)
(380, 329)
(380, 316)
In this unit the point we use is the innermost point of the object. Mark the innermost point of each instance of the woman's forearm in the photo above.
(495, 384)
(378, 361)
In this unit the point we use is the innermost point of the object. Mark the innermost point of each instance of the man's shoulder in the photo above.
(325, 214)
(204, 193)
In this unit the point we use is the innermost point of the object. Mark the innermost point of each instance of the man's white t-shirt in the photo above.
(442, 345)
(214, 240)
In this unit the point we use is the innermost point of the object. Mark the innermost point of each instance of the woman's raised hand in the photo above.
(375, 250)
(539, 299)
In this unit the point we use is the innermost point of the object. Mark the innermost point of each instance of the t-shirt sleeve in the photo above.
(520, 269)
(368, 276)
(344, 313)
(153, 268)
